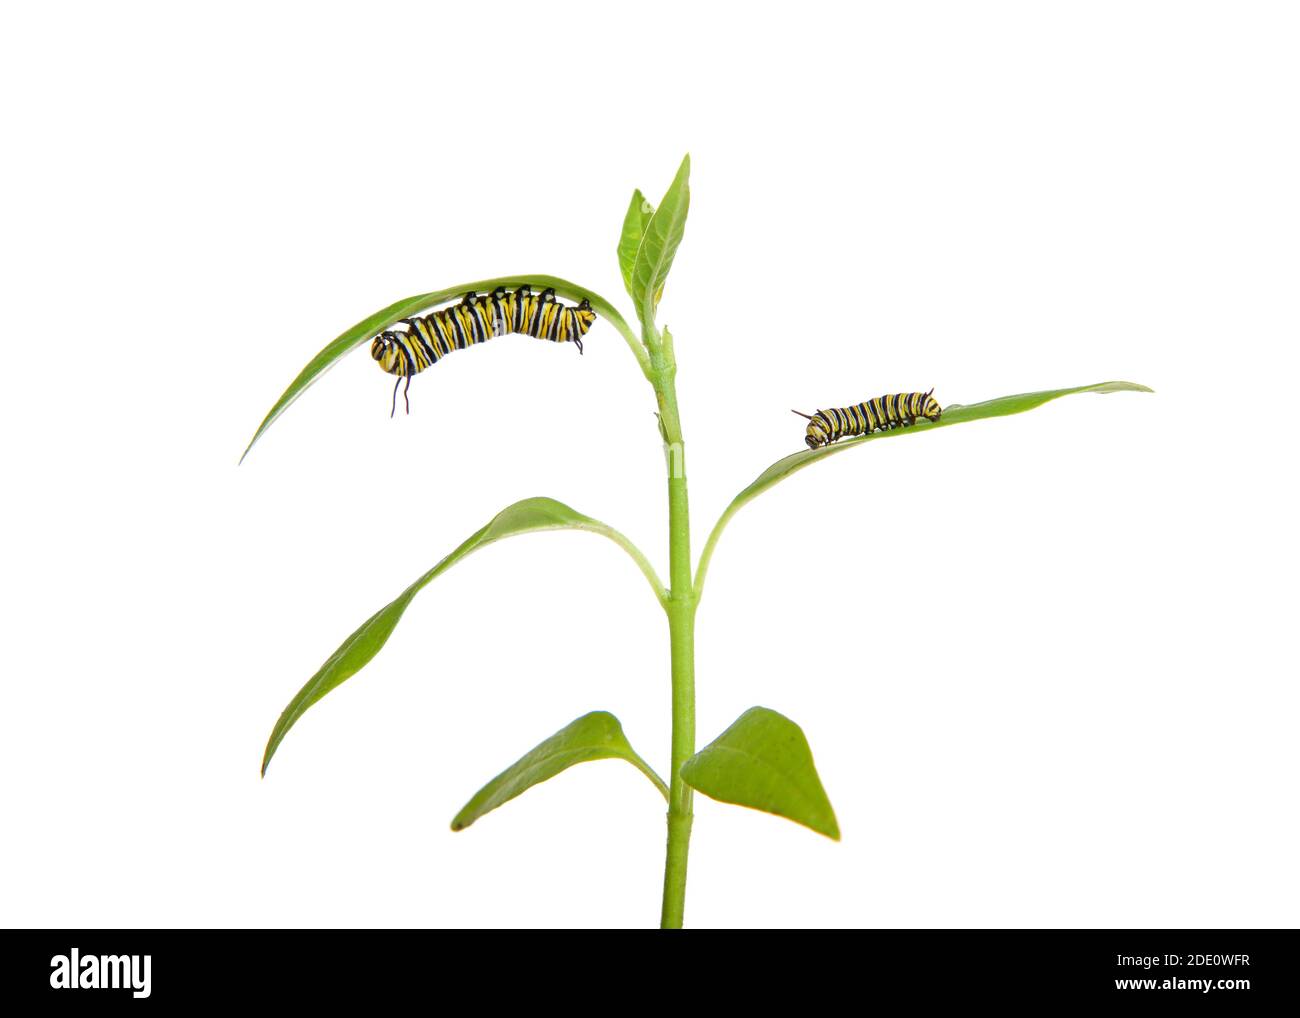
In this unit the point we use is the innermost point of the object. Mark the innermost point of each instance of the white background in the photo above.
(1046, 663)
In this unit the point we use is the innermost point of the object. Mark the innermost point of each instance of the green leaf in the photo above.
(763, 762)
(639, 212)
(380, 320)
(654, 258)
(594, 736)
(955, 414)
(357, 650)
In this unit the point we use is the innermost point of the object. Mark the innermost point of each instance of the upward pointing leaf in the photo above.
(357, 650)
(594, 736)
(763, 762)
(654, 258)
(954, 414)
(639, 212)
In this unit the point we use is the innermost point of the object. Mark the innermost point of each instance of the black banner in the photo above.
(1133, 969)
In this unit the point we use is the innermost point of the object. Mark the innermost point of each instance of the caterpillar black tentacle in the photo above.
(405, 395)
(897, 410)
(429, 338)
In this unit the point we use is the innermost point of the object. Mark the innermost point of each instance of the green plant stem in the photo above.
(707, 555)
(680, 608)
(638, 556)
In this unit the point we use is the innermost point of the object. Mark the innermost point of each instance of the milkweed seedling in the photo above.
(762, 760)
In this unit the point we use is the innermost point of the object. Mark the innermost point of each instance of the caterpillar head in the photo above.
(930, 408)
(817, 434)
(384, 350)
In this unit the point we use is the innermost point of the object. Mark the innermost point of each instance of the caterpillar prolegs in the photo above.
(476, 319)
(897, 410)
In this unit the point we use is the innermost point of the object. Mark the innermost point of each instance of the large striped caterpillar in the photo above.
(897, 410)
(475, 319)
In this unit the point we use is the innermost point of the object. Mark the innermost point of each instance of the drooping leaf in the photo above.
(954, 414)
(381, 320)
(654, 258)
(763, 761)
(357, 650)
(639, 212)
(594, 736)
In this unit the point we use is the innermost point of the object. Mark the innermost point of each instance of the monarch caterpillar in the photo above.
(894, 411)
(476, 319)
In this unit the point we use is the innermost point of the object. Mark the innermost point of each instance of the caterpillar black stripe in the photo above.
(897, 410)
(476, 319)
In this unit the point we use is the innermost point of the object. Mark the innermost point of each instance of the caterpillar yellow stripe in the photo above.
(897, 410)
(476, 319)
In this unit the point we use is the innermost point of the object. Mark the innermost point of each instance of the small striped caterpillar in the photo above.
(476, 319)
(897, 410)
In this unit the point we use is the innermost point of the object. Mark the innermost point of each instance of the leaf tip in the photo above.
(272, 744)
(1122, 387)
(249, 448)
